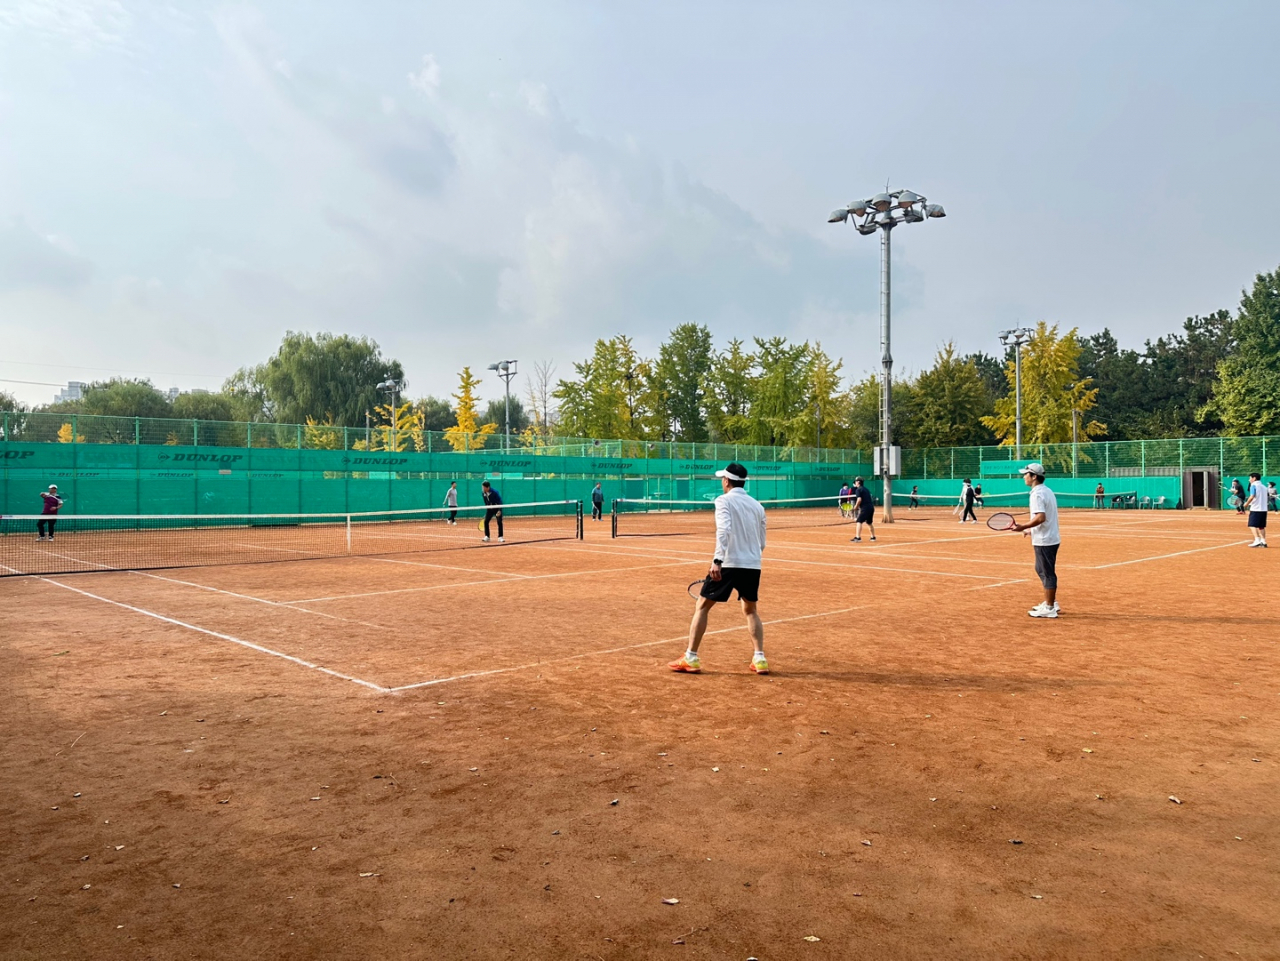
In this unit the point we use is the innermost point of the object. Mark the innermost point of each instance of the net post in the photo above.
(348, 533)
(613, 518)
(580, 537)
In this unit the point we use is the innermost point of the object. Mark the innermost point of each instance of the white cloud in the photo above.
(83, 23)
(427, 79)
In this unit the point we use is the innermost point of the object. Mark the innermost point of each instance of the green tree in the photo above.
(496, 413)
(247, 394)
(683, 362)
(1247, 394)
(1051, 389)
(728, 388)
(822, 398)
(609, 397)
(322, 376)
(437, 414)
(778, 394)
(10, 403)
(204, 406)
(948, 404)
(864, 412)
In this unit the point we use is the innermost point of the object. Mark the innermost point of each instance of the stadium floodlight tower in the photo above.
(1017, 338)
(883, 212)
(506, 369)
(393, 387)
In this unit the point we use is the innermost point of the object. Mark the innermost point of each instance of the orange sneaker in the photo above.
(759, 665)
(687, 665)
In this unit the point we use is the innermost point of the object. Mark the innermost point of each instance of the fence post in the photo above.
(1222, 457)
(299, 437)
(75, 430)
(1106, 470)
(195, 432)
(1264, 457)
(137, 433)
(1182, 457)
(1143, 449)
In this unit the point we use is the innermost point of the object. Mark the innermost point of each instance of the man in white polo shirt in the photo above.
(1044, 537)
(740, 536)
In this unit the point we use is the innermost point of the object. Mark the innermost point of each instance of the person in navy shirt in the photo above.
(493, 503)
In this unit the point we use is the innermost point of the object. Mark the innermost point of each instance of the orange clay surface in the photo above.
(480, 753)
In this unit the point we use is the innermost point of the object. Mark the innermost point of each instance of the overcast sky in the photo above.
(466, 182)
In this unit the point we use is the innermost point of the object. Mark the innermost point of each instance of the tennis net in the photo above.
(949, 503)
(100, 542)
(657, 518)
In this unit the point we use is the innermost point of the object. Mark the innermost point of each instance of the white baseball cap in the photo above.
(1035, 467)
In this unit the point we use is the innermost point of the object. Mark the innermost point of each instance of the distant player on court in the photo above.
(493, 503)
(915, 497)
(1044, 537)
(864, 510)
(967, 498)
(49, 513)
(451, 502)
(845, 491)
(1256, 505)
(597, 503)
(740, 536)
(1099, 497)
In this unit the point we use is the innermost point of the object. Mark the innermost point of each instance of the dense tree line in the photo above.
(1219, 375)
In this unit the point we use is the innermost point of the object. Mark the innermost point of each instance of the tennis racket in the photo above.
(480, 520)
(1001, 521)
(847, 510)
(695, 588)
(1234, 501)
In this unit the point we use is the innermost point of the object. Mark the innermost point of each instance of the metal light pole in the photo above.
(818, 409)
(393, 387)
(883, 212)
(506, 369)
(1017, 337)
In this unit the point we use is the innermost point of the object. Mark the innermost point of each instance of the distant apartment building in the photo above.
(73, 391)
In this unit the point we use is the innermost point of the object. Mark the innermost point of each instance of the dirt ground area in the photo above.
(481, 754)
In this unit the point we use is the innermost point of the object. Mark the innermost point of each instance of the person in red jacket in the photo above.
(48, 516)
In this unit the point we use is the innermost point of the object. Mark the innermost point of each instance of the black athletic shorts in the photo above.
(866, 515)
(1047, 565)
(746, 580)
(1258, 519)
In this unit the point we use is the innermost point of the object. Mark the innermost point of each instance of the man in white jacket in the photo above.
(740, 537)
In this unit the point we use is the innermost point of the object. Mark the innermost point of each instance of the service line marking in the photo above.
(224, 637)
(494, 580)
(283, 605)
(1161, 557)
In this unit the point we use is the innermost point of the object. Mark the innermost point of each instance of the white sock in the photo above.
(691, 655)
(758, 656)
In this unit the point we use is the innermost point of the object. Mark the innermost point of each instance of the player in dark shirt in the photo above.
(864, 506)
(493, 503)
(49, 514)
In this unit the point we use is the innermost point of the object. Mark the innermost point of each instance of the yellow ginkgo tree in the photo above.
(466, 434)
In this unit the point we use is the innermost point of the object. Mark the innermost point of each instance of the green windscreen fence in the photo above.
(108, 478)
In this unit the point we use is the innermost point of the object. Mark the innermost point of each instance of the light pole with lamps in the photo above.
(393, 387)
(883, 212)
(506, 369)
(1017, 338)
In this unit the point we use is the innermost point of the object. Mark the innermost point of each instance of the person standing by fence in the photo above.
(451, 502)
(1099, 497)
(49, 514)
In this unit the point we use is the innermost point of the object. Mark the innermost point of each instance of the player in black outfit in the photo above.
(493, 503)
(864, 506)
(969, 497)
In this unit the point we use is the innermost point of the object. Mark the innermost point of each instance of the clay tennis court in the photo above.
(478, 753)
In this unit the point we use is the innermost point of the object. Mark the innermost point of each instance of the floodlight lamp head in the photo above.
(838, 216)
(935, 210)
(912, 217)
(881, 202)
(493, 366)
(906, 198)
(858, 208)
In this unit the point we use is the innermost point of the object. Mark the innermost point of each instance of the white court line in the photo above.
(772, 561)
(288, 606)
(495, 580)
(224, 637)
(443, 567)
(1161, 557)
(612, 650)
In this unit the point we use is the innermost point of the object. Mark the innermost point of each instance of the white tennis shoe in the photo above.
(485, 539)
(1043, 610)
